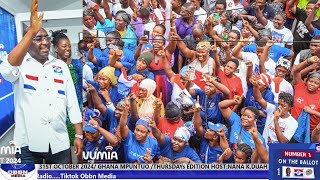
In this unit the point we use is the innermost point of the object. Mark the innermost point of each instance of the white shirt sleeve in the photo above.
(269, 25)
(297, 60)
(292, 127)
(9, 73)
(290, 38)
(102, 40)
(270, 108)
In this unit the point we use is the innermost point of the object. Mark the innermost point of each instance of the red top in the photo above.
(303, 98)
(168, 128)
(233, 84)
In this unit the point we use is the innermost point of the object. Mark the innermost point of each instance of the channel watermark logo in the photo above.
(106, 156)
(17, 171)
(7, 154)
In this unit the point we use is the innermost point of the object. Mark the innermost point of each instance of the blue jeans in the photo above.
(29, 157)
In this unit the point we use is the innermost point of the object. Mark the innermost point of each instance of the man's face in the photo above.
(261, 3)
(178, 144)
(309, 8)
(91, 136)
(40, 46)
(315, 47)
(175, 4)
(185, 12)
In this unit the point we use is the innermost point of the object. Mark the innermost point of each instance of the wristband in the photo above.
(78, 136)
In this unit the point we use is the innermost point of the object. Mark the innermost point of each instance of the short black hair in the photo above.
(116, 34)
(223, 2)
(236, 32)
(162, 26)
(144, 13)
(287, 98)
(312, 2)
(254, 110)
(235, 61)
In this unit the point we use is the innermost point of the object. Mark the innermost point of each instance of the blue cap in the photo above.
(144, 121)
(89, 128)
(147, 47)
(216, 127)
(183, 71)
(89, 112)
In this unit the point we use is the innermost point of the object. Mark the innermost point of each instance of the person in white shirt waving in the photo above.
(44, 95)
(280, 125)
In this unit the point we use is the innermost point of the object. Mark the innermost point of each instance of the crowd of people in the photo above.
(172, 81)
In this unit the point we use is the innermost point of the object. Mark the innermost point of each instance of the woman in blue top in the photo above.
(62, 47)
(106, 86)
(213, 141)
(175, 149)
(139, 147)
(122, 25)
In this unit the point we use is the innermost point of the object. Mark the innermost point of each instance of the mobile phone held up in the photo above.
(146, 34)
(216, 16)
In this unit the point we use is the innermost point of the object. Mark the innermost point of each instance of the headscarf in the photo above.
(144, 121)
(203, 45)
(183, 134)
(265, 79)
(282, 62)
(109, 72)
(146, 108)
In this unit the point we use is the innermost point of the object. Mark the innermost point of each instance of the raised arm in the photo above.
(260, 16)
(17, 55)
(124, 130)
(97, 15)
(133, 108)
(224, 106)
(114, 56)
(253, 31)
(157, 110)
(197, 121)
(297, 70)
(265, 56)
(107, 11)
(249, 71)
(166, 67)
(224, 145)
(311, 17)
(259, 148)
(257, 94)
(236, 52)
(157, 133)
(142, 41)
(281, 138)
(91, 57)
(225, 91)
(112, 139)
(216, 58)
(96, 99)
(172, 43)
(186, 52)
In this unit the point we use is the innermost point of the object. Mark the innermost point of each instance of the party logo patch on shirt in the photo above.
(57, 70)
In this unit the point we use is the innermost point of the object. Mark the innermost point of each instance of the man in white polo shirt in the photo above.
(44, 96)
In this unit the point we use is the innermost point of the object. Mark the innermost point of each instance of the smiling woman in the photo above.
(62, 47)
